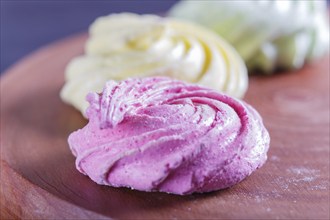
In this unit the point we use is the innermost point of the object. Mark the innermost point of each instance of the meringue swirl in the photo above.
(160, 134)
(267, 34)
(128, 45)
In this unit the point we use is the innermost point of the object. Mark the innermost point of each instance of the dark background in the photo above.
(29, 25)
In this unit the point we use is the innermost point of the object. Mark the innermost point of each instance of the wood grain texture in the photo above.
(39, 179)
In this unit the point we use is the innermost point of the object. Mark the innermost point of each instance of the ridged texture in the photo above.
(267, 34)
(129, 45)
(158, 134)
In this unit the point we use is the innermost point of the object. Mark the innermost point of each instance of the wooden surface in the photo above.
(39, 179)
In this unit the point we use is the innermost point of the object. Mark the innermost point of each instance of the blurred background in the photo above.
(29, 25)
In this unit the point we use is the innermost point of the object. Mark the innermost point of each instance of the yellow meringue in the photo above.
(128, 45)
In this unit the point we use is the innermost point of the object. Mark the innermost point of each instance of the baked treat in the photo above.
(267, 34)
(160, 134)
(130, 45)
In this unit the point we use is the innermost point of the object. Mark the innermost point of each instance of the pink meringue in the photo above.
(160, 134)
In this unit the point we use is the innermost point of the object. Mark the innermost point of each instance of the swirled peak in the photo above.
(267, 34)
(130, 45)
(160, 134)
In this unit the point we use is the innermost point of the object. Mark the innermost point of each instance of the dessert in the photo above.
(160, 134)
(130, 45)
(267, 34)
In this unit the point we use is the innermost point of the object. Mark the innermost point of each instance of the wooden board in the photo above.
(39, 179)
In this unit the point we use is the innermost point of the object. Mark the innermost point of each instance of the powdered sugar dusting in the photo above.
(303, 171)
(299, 175)
(303, 174)
(275, 158)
